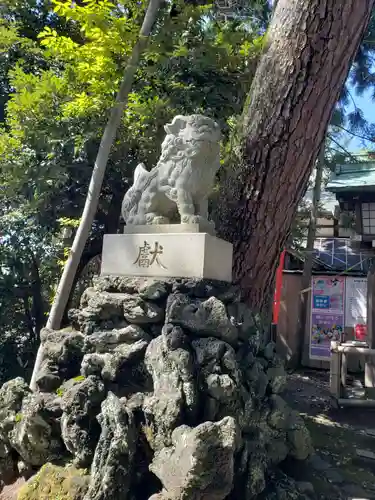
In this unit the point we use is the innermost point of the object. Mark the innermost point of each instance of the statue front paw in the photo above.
(198, 219)
(186, 219)
(160, 220)
(156, 219)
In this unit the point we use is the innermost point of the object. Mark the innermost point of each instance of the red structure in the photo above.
(278, 287)
(360, 332)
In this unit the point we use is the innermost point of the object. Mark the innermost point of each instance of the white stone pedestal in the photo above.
(169, 255)
(201, 227)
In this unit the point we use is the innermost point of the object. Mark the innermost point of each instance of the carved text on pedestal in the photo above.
(148, 256)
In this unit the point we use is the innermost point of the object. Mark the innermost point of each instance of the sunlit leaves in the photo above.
(8, 36)
(68, 222)
(57, 109)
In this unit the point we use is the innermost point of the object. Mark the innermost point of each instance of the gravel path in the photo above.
(336, 471)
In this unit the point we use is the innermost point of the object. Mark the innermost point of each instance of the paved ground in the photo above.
(336, 471)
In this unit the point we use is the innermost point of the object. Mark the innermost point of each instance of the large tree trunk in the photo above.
(309, 47)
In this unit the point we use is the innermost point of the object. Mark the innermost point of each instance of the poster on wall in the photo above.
(327, 314)
(355, 301)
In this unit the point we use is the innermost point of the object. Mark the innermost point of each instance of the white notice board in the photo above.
(355, 301)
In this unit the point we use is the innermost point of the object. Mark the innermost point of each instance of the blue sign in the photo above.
(321, 301)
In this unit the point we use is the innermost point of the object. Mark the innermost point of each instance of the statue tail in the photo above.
(134, 194)
(139, 172)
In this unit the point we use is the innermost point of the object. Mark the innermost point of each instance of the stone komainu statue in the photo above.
(176, 190)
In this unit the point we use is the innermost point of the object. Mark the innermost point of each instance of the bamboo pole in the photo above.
(92, 199)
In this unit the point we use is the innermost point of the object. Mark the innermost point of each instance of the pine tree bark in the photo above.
(307, 55)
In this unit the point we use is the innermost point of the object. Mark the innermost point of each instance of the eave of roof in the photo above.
(353, 176)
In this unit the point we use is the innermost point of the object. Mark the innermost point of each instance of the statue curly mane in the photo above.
(188, 162)
(177, 154)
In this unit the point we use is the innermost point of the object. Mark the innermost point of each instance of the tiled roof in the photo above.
(352, 175)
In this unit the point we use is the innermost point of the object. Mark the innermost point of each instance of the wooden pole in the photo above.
(370, 364)
(344, 369)
(360, 403)
(371, 304)
(351, 349)
(309, 260)
(334, 374)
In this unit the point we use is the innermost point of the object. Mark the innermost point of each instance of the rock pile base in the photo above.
(160, 390)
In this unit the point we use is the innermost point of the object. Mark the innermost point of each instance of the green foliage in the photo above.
(59, 112)
(53, 482)
(348, 120)
(28, 253)
(61, 64)
(18, 417)
(60, 392)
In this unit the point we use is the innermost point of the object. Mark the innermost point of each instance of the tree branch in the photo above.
(360, 136)
(342, 148)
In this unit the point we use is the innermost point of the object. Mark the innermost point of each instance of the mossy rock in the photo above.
(53, 482)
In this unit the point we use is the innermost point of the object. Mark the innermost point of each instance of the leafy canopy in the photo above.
(60, 67)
